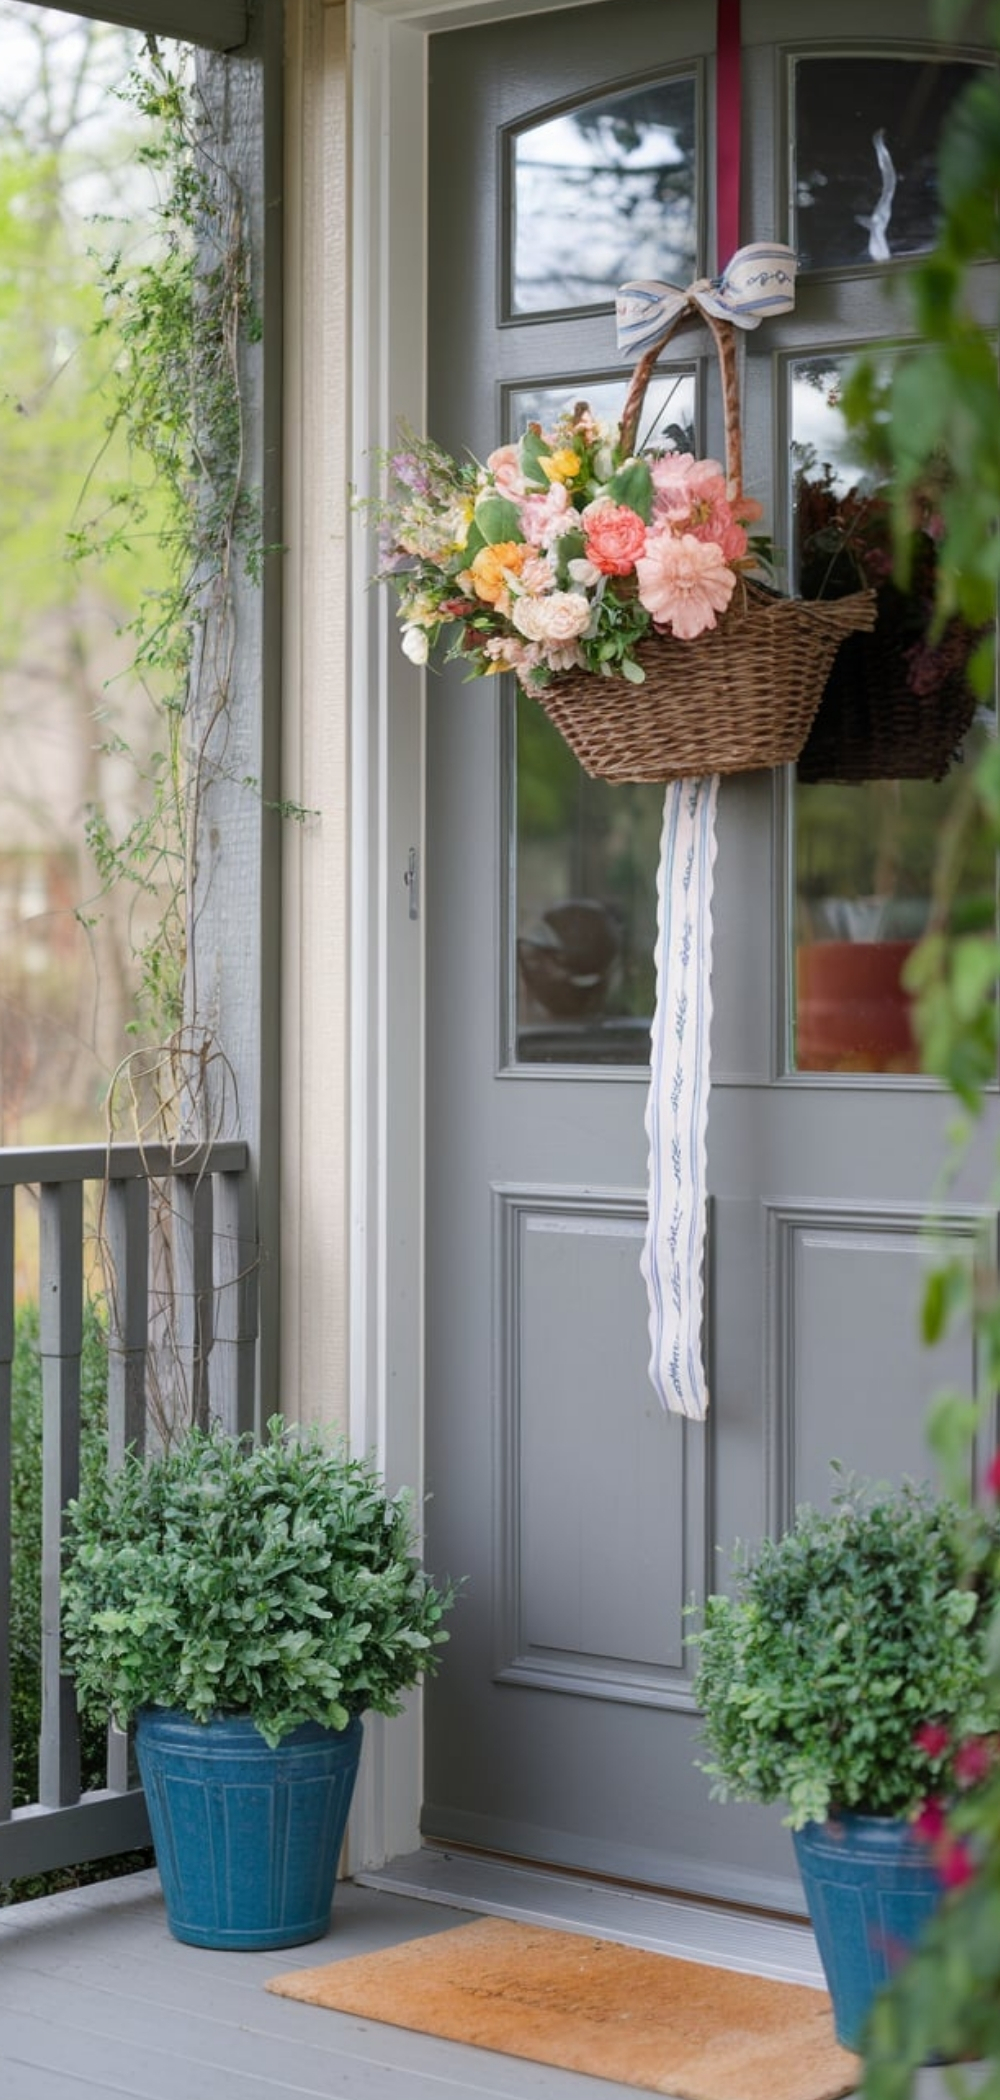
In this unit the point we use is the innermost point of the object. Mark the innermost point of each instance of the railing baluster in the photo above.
(6, 1467)
(127, 1233)
(61, 1328)
(61, 1827)
(192, 1205)
(127, 1228)
(234, 1355)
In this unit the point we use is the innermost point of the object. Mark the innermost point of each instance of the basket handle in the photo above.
(724, 337)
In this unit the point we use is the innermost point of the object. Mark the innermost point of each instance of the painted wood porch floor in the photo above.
(99, 2002)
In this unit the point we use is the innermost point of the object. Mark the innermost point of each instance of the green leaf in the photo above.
(633, 486)
(533, 449)
(498, 520)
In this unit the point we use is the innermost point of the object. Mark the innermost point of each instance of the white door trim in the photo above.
(388, 237)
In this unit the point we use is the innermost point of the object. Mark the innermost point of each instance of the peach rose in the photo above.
(616, 536)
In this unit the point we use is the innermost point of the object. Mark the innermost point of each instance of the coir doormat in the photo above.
(640, 2019)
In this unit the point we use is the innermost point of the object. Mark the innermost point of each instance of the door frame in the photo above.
(388, 247)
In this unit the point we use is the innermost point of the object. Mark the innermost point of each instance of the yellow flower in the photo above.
(488, 579)
(459, 519)
(560, 466)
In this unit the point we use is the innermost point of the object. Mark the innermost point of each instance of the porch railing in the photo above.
(199, 1203)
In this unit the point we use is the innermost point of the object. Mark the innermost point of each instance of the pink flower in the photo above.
(505, 467)
(711, 515)
(932, 1738)
(973, 1759)
(684, 582)
(956, 1865)
(537, 575)
(543, 517)
(511, 655)
(670, 476)
(616, 536)
(992, 1481)
(928, 1823)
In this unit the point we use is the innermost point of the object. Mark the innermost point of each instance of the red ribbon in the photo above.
(727, 132)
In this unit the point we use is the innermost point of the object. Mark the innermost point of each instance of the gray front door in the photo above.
(569, 151)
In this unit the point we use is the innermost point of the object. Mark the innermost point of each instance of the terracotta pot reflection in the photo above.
(853, 1013)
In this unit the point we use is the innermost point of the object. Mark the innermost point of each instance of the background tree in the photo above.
(78, 730)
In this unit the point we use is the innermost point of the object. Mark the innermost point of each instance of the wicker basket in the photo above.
(741, 696)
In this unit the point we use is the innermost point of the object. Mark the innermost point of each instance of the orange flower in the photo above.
(487, 570)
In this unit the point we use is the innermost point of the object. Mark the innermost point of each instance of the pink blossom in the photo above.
(537, 575)
(543, 517)
(956, 1865)
(670, 475)
(684, 582)
(928, 1823)
(932, 1738)
(711, 515)
(510, 654)
(973, 1759)
(992, 1480)
(505, 466)
(616, 536)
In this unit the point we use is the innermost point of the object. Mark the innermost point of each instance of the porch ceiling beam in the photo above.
(218, 25)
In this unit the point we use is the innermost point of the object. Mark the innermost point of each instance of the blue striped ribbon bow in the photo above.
(757, 283)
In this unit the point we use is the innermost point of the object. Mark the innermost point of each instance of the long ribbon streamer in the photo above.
(677, 1102)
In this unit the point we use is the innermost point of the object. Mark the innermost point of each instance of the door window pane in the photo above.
(585, 851)
(603, 193)
(868, 824)
(865, 134)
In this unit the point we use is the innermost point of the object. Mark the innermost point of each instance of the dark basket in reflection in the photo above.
(872, 724)
(895, 706)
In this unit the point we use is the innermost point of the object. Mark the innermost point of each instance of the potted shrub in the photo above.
(246, 1604)
(846, 1676)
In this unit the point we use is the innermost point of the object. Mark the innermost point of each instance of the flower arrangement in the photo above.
(560, 554)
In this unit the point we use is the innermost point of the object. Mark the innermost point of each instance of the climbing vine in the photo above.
(176, 321)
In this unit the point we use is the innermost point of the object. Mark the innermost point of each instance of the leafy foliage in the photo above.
(276, 1579)
(26, 1585)
(842, 1639)
(26, 1533)
(944, 400)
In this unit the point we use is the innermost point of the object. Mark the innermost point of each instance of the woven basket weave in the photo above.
(872, 725)
(741, 696)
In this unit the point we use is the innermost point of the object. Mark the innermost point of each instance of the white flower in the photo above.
(584, 571)
(415, 644)
(558, 618)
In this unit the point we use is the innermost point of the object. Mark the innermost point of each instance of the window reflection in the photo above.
(604, 193)
(877, 780)
(585, 851)
(586, 855)
(865, 142)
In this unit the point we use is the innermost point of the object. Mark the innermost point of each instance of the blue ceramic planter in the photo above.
(871, 1886)
(247, 1839)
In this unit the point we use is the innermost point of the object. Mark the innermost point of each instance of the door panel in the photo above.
(562, 1726)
